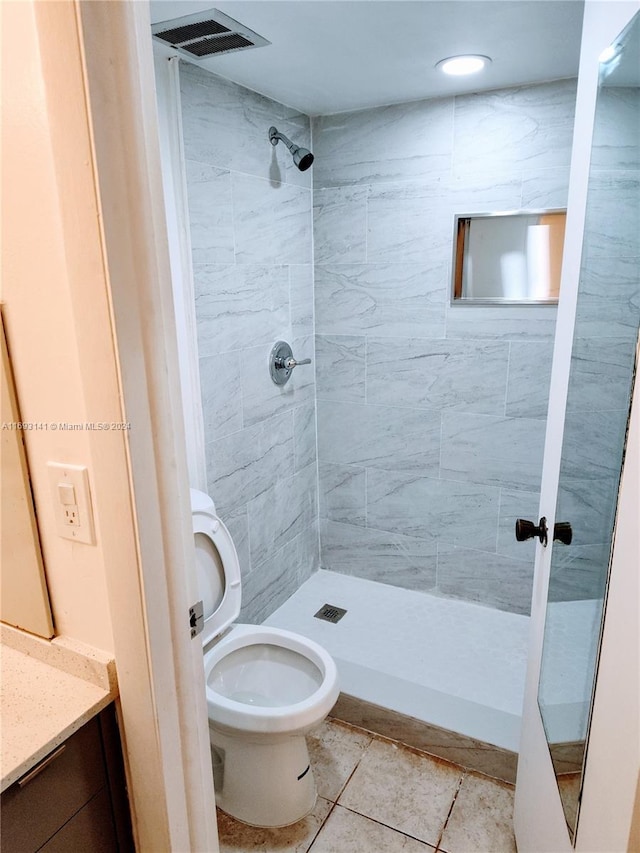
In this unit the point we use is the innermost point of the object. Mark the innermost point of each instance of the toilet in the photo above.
(265, 688)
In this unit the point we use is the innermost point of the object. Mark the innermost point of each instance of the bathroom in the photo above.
(387, 483)
(343, 484)
(362, 484)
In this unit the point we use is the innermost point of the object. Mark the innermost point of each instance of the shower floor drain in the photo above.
(330, 613)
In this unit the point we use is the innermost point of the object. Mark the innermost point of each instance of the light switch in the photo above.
(67, 494)
(72, 502)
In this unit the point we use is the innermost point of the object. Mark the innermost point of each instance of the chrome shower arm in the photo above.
(275, 135)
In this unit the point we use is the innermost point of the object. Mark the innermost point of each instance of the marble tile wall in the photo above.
(251, 234)
(431, 418)
(607, 320)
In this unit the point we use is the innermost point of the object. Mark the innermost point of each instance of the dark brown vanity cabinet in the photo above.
(74, 800)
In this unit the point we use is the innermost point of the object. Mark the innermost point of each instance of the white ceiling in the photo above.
(328, 56)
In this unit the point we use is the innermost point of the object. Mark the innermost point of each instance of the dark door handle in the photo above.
(562, 532)
(527, 530)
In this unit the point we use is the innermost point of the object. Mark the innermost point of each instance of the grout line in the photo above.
(366, 368)
(367, 195)
(334, 803)
(289, 305)
(351, 775)
(506, 390)
(388, 826)
(453, 802)
(366, 499)
(233, 218)
(321, 827)
(314, 336)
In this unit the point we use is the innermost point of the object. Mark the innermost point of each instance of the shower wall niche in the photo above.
(431, 417)
(251, 238)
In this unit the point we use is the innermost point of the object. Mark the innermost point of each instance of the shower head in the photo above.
(302, 157)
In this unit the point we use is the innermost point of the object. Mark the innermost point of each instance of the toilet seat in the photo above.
(255, 717)
(218, 567)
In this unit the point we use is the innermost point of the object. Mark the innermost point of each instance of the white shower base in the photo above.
(448, 663)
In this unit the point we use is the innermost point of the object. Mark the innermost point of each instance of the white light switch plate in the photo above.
(75, 521)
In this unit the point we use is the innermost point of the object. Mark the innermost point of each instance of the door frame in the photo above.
(539, 820)
(166, 736)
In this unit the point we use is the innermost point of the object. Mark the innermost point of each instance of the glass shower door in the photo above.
(600, 385)
(583, 455)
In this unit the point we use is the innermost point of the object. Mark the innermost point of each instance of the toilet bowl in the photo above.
(265, 689)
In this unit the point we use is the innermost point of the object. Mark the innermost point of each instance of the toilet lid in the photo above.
(217, 566)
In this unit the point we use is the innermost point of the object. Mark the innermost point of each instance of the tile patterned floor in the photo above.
(378, 796)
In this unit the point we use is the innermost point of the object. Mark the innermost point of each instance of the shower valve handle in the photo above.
(282, 362)
(290, 363)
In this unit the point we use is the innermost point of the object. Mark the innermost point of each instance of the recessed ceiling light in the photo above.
(461, 65)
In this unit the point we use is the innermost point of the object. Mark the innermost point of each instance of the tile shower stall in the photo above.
(397, 463)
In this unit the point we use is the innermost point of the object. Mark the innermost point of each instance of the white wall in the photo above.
(57, 321)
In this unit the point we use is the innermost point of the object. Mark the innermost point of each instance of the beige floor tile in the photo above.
(236, 837)
(404, 790)
(347, 832)
(481, 820)
(569, 787)
(335, 749)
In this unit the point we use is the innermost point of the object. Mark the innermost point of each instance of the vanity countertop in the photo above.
(49, 689)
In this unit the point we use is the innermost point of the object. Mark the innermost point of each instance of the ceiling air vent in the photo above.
(206, 34)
